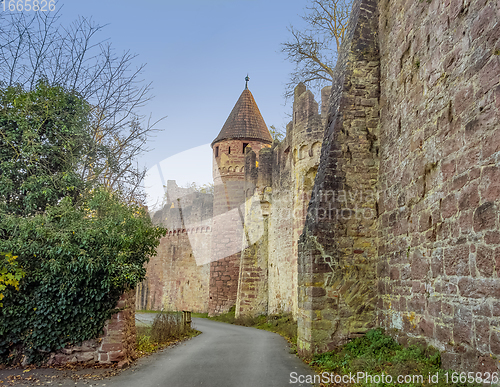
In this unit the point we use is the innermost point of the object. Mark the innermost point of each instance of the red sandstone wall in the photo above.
(177, 278)
(223, 284)
(295, 163)
(117, 343)
(440, 176)
(185, 283)
(338, 247)
(150, 292)
(253, 278)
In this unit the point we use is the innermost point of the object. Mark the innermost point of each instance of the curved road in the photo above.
(223, 356)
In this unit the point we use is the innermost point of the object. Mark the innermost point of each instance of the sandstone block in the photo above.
(116, 356)
(485, 217)
(456, 260)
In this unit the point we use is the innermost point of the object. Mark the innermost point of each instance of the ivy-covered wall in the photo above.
(116, 344)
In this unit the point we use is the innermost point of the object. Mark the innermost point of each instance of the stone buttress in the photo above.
(338, 246)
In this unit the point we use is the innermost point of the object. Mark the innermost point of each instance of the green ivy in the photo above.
(80, 247)
(79, 258)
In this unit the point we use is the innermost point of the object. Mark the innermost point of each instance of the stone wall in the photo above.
(338, 248)
(414, 120)
(295, 164)
(177, 278)
(281, 266)
(252, 296)
(439, 253)
(383, 212)
(278, 191)
(115, 345)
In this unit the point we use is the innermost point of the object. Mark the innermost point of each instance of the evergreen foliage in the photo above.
(42, 137)
(81, 247)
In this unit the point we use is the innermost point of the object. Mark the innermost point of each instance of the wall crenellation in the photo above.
(275, 211)
(177, 277)
(338, 248)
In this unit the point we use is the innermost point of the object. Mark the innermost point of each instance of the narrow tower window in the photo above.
(245, 144)
(216, 151)
(229, 151)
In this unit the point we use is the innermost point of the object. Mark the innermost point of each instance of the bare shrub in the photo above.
(168, 326)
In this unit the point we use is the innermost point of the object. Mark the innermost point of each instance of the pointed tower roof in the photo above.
(245, 122)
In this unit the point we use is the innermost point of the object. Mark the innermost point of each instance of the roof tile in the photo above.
(245, 121)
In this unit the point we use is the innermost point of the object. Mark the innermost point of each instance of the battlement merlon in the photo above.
(308, 123)
(251, 171)
(265, 169)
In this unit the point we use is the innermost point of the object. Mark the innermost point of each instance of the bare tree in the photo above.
(277, 134)
(314, 50)
(39, 47)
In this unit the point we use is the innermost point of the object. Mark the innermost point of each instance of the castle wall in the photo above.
(149, 293)
(281, 266)
(276, 211)
(177, 278)
(185, 284)
(253, 296)
(295, 166)
(383, 211)
(427, 262)
(439, 176)
(338, 246)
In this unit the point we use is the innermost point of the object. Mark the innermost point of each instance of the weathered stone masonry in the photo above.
(439, 181)
(338, 248)
(428, 262)
(115, 345)
(383, 209)
(277, 197)
(243, 130)
(177, 278)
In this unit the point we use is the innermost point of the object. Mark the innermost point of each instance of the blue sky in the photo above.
(198, 53)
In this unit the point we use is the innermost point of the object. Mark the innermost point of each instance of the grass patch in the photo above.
(228, 317)
(376, 353)
(282, 324)
(148, 311)
(167, 328)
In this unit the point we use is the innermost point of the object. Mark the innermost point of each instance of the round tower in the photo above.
(244, 128)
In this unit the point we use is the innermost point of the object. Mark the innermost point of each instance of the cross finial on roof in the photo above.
(246, 79)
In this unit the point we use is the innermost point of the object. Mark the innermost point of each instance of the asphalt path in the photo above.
(224, 355)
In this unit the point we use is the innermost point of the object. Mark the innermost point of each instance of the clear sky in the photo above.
(198, 53)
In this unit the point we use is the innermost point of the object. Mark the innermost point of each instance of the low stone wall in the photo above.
(116, 344)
